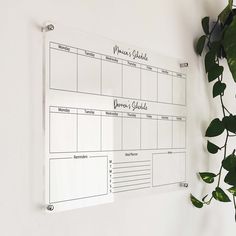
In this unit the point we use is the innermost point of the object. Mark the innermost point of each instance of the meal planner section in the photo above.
(115, 122)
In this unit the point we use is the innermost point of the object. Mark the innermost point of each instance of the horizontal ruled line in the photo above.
(130, 190)
(145, 100)
(130, 185)
(118, 177)
(130, 162)
(122, 167)
(131, 171)
(130, 180)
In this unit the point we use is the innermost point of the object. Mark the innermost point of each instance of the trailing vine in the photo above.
(219, 42)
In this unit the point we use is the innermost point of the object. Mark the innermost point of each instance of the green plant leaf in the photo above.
(196, 202)
(229, 163)
(230, 178)
(210, 60)
(230, 123)
(232, 190)
(212, 148)
(215, 72)
(220, 195)
(207, 177)
(218, 88)
(201, 44)
(215, 128)
(225, 13)
(217, 48)
(229, 43)
(205, 24)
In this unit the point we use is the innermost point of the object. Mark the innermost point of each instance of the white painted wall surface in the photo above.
(168, 27)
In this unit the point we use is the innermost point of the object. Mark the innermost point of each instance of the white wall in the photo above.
(168, 27)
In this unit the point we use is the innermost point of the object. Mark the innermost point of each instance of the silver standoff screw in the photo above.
(183, 64)
(49, 27)
(50, 207)
(184, 184)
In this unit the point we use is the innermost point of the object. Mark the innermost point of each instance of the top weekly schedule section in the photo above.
(115, 120)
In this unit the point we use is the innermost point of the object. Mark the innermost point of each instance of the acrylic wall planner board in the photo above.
(115, 120)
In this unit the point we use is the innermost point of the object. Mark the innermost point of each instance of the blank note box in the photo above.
(111, 133)
(168, 168)
(63, 70)
(148, 134)
(111, 78)
(89, 75)
(131, 82)
(63, 132)
(89, 133)
(179, 90)
(179, 134)
(77, 178)
(131, 133)
(164, 137)
(149, 85)
(164, 88)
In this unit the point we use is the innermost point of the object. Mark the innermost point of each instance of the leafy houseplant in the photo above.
(219, 42)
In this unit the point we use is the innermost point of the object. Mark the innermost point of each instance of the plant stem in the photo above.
(224, 110)
(227, 132)
(234, 201)
(227, 110)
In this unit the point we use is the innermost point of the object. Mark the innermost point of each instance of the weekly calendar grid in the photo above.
(122, 146)
(115, 131)
(90, 72)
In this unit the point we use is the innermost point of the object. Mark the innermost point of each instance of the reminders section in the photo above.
(72, 179)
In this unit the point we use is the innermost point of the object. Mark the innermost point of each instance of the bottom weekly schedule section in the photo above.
(84, 130)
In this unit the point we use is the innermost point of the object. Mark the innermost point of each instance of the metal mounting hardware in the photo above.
(184, 184)
(49, 27)
(183, 64)
(50, 207)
